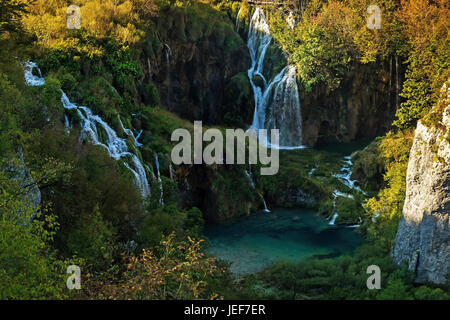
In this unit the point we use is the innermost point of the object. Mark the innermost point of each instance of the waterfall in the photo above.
(67, 124)
(30, 78)
(161, 198)
(250, 178)
(237, 19)
(130, 133)
(344, 177)
(116, 147)
(168, 56)
(265, 205)
(277, 102)
(252, 184)
(333, 219)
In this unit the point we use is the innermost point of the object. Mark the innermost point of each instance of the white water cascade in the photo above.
(237, 19)
(252, 184)
(333, 219)
(130, 133)
(277, 102)
(116, 147)
(344, 177)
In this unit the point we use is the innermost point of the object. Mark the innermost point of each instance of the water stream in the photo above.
(90, 124)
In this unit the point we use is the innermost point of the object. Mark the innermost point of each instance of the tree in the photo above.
(11, 12)
(178, 270)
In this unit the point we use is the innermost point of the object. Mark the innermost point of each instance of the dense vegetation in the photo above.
(92, 214)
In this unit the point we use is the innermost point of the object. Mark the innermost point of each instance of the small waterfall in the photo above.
(161, 198)
(136, 142)
(250, 178)
(130, 133)
(277, 103)
(168, 56)
(344, 177)
(265, 205)
(333, 219)
(116, 147)
(237, 19)
(67, 124)
(252, 184)
(30, 78)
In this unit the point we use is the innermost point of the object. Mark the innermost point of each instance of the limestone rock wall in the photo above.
(423, 238)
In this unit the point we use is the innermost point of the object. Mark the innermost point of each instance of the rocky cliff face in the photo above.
(363, 106)
(423, 238)
(200, 66)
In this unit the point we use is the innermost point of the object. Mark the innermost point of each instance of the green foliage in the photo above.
(388, 204)
(10, 15)
(91, 238)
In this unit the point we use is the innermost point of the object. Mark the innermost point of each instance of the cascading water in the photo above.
(277, 103)
(161, 197)
(129, 132)
(333, 219)
(237, 19)
(116, 147)
(252, 184)
(344, 177)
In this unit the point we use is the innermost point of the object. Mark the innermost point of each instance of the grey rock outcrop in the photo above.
(423, 237)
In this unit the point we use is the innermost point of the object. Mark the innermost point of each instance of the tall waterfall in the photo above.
(90, 123)
(277, 102)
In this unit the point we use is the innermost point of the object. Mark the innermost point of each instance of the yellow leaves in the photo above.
(48, 19)
(179, 272)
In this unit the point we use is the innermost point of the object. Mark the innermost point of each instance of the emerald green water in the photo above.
(252, 243)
